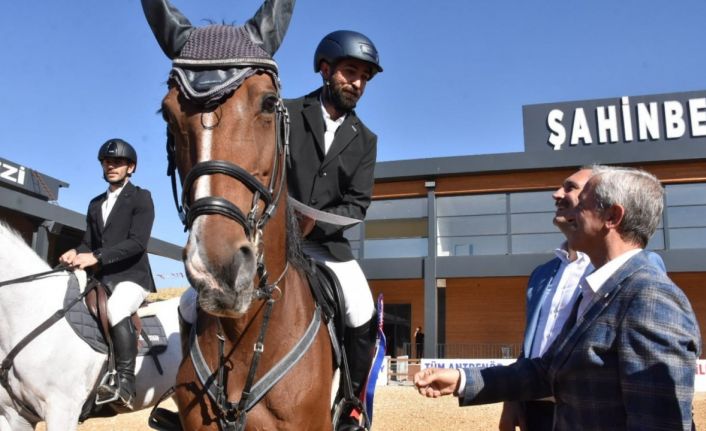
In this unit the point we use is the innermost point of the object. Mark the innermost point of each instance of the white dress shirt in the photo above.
(559, 300)
(595, 280)
(330, 127)
(109, 202)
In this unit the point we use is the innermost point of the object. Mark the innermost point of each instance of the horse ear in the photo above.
(169, 26)
(269, 25)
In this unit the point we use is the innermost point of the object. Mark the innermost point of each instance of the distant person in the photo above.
(118, 229)
(419, 342)
(629, 361)
(551, 293)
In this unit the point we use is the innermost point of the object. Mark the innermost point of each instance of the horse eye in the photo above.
(269, 103)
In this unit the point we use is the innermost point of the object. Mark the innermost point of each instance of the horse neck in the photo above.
(275, 240)
(17, 259)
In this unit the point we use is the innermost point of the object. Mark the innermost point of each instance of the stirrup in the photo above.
(108, 384)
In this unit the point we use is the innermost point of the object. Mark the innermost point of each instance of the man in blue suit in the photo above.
(629, 360)
(551, 292)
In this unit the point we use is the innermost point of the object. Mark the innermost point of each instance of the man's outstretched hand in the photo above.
(437, 382)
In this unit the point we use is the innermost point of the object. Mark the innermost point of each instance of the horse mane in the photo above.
(295, 255)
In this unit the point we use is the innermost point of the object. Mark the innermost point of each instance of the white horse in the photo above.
(56, 371)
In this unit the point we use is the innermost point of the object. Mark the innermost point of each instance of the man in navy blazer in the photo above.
(118, 229)
(629, 361)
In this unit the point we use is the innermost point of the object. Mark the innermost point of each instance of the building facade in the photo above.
(450, 242)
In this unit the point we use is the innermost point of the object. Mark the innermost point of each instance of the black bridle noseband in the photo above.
(189, 211)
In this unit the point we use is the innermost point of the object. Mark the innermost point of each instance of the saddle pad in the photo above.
(86, 326)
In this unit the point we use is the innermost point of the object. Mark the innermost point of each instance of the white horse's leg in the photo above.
(62, 416)
(11, 421)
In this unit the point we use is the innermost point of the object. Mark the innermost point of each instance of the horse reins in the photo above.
(32, 277)
(6, 364)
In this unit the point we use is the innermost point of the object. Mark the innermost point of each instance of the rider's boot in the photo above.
(125, 347)
(360, 349)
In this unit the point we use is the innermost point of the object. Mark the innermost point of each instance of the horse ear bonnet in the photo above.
(210, 62)
(216, 60)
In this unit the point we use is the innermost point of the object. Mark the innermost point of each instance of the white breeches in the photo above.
(356, 292)
(125, 300)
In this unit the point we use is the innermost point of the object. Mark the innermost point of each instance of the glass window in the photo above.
(397, 209)
(404, 247)
(686, 194)
(533, 223)
(472, 245)
(686, 238)
(657, 240)
(471, 205)
(531, 202)
(536, 243)
(396, 228)
(687, 216)
(472, 225)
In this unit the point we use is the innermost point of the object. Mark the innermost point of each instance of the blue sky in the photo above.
(457, 73)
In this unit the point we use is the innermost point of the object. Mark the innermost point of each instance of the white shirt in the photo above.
(330, 127)
(595, 280)
(109, 202)
(559, 300)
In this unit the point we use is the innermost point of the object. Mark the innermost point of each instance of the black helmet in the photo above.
(346, 44)
(117, 148)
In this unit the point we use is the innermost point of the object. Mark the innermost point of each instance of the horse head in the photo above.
(227, 136)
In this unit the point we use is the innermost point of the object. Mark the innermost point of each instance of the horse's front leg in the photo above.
(10, 420)
(62, 416)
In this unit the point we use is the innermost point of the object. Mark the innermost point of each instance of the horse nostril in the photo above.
(246, 253)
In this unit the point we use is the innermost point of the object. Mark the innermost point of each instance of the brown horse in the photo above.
(258, 336)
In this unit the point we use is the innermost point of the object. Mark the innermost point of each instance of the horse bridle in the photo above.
(251, 223)
(232, 415)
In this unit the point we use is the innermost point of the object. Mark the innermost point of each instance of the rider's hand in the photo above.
(75, 260)
(84, 260)
(68, 257)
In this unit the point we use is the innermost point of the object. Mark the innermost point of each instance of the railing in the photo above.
(468, 351)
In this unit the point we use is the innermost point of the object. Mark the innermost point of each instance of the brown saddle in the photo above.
(97, 304)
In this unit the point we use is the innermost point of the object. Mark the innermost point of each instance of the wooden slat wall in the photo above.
(667, 172)
(485, 310)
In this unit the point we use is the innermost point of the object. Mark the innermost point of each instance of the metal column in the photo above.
(431, 301)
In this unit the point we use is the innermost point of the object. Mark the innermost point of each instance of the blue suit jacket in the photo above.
(537, 291)
(627, 364)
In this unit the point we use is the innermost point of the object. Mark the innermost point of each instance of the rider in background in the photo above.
(119, 225)
(332, 162)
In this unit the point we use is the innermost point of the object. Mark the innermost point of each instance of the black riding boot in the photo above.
(125, 349)
(360, 348)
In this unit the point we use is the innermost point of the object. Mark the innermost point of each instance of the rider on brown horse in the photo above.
(332, 157)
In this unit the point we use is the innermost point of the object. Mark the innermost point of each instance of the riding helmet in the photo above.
(346, 44)
(116, 147)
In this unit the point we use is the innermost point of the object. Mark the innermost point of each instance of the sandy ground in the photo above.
(396, 408)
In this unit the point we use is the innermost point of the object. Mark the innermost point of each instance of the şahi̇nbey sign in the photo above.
(664, 118)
